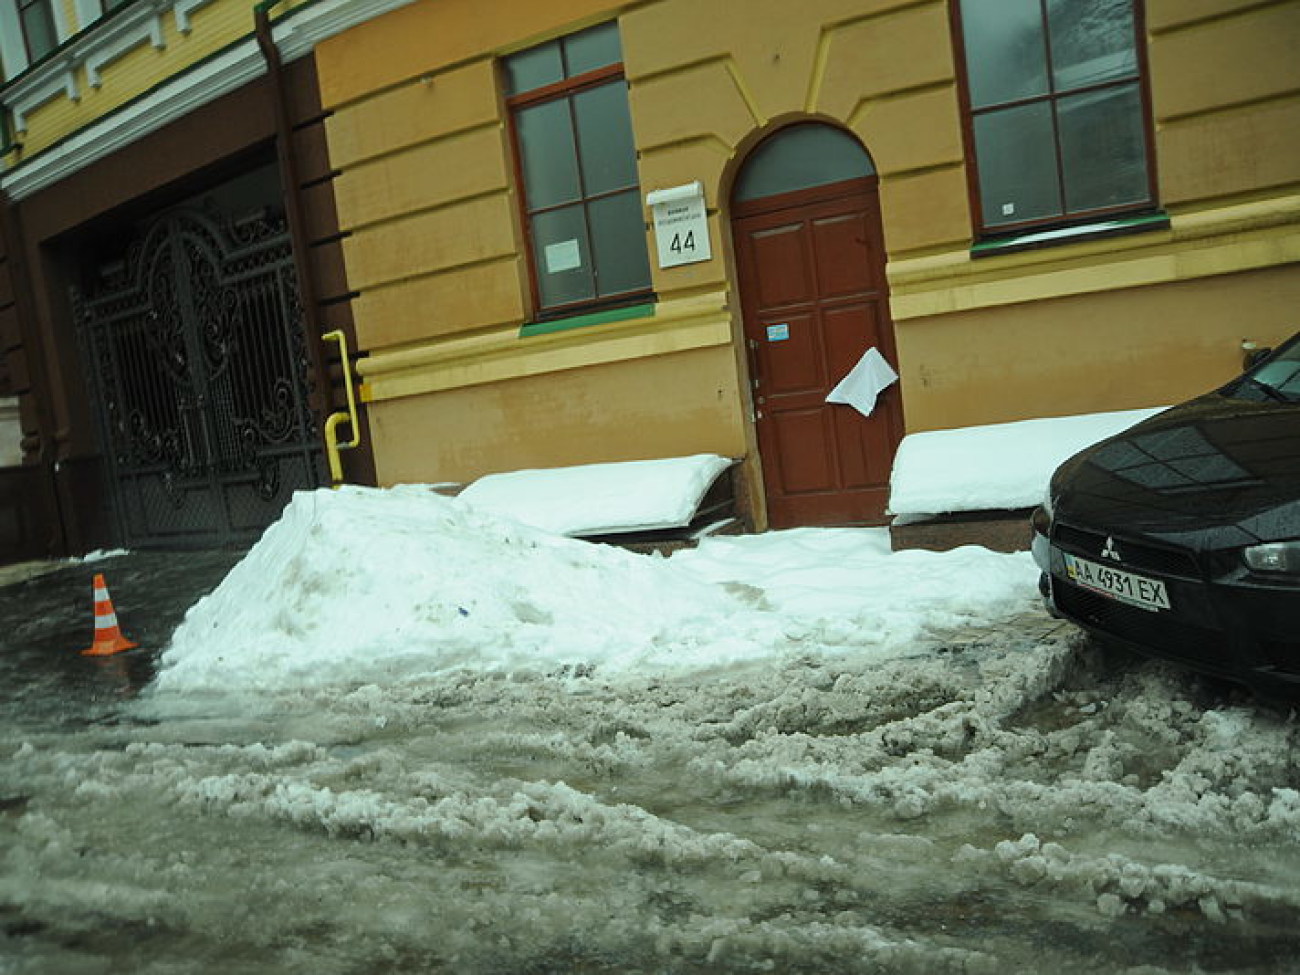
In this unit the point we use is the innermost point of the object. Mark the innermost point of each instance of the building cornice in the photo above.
(145, 29)
(103, 42)
(205, 83)
(57, 76)
(296, 33)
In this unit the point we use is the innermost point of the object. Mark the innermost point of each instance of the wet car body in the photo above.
(1181, 536)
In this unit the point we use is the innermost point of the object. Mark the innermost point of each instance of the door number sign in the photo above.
(681, 224)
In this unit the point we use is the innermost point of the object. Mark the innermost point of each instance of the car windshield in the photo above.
(1277, 378)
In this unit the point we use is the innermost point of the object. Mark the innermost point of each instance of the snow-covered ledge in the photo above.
(972, 485)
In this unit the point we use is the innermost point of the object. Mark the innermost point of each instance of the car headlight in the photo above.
(1274, 557)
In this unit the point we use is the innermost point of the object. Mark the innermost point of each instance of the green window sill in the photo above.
(583, 321)
(1102, 229)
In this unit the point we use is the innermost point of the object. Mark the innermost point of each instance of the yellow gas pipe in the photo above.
(332, 444)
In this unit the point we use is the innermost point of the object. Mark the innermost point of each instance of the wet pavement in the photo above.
(47, 619)
(1004, 799)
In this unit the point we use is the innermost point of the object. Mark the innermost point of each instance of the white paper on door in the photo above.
(864, 383)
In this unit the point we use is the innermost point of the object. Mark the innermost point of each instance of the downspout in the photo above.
(294, 211)
(11, 232)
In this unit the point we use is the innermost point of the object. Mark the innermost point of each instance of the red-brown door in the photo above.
(814, 299)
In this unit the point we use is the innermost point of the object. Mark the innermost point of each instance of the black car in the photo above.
(1181, 536)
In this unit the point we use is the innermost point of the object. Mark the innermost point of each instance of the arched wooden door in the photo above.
(811, 264)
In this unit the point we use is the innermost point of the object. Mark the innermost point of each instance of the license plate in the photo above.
(1126, 587)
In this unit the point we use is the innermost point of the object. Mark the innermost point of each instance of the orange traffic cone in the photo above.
(108, 638)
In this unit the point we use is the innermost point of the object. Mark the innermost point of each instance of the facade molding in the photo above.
(93, 49)
(296, 34)
(126, 38)
(1200, 243)
(31, 94)
(681, 325)
(207, 83)
(184, 10)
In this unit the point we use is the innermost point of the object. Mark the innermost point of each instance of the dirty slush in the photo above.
(999, 797)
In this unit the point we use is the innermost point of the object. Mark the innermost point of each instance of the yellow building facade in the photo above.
(458, 387)
(389, 136)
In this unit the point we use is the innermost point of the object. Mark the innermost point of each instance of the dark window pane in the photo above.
(38, 28)
(578, 160)
(1103, 149)
(549, 156)
(1092, 41)
(1017, 158)
(1006, 57)
(799, 158)
(562, 256)
(595, 48)
(535, 68)
(605, 139)
(618, 239)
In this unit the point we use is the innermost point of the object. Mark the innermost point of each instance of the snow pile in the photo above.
(99, 555)
(994, 467)
(359, 584)
(363, 585)
(599, 499)
(851, 577)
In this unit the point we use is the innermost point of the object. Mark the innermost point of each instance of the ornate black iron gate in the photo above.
(195, 345)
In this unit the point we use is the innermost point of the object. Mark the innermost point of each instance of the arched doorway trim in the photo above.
(800, 157)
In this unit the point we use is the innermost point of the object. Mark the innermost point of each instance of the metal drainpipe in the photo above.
(11, 231)
(288, 159)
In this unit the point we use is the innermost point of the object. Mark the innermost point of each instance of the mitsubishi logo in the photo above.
(1109, 551)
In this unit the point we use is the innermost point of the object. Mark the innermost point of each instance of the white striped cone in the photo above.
(108, 637)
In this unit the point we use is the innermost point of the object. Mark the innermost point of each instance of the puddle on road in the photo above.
(46, 620)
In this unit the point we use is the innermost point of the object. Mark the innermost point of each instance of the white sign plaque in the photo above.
(564, 256)
(681, 225)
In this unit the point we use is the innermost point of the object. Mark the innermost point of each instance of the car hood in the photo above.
(1215, 472)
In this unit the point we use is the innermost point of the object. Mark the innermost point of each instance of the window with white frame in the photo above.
(36, 19)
